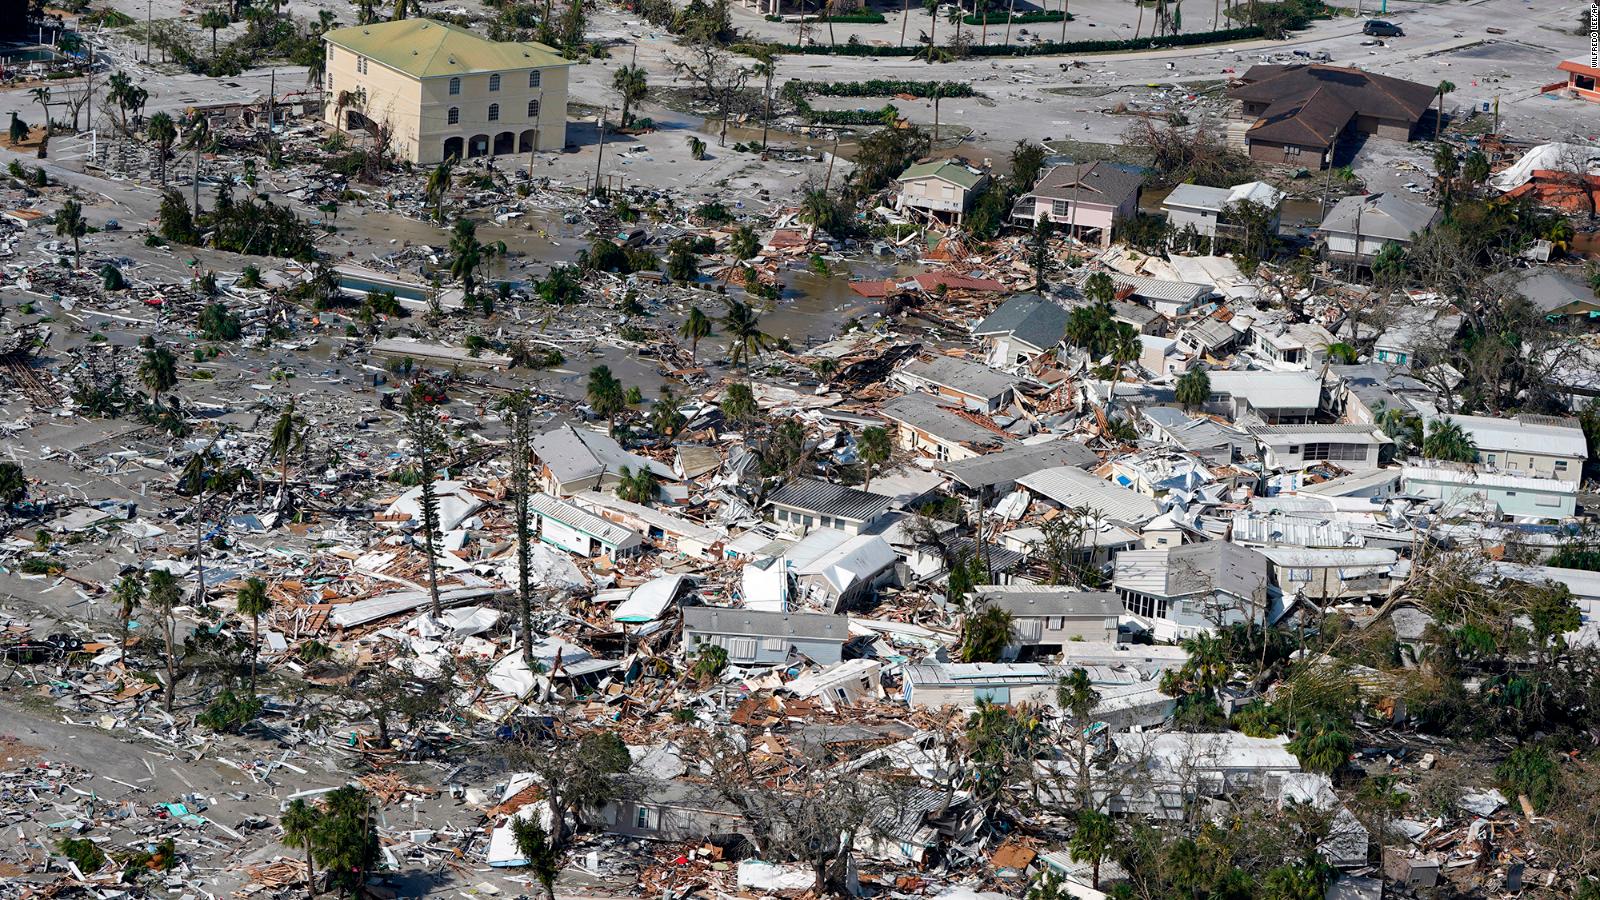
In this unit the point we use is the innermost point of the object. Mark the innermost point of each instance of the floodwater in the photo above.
(540, 236)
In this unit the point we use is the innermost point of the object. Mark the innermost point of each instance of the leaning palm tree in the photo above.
(253, 601)
(41, 96)
(439, 184)
(302, 824)
(1124, 350)
(874, 449)
(693, 329)
(742, 325)
(466, 255)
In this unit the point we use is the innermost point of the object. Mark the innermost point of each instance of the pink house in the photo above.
(1085, 200)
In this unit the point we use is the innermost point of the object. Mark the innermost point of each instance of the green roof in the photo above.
(953, 172)
(427, 49)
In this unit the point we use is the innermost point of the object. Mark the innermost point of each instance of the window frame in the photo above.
(452, 116)
(494, 112)
(454, 90)
(494, 82)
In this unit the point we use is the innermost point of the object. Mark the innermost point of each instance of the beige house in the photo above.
(443, 91)
(942, 189)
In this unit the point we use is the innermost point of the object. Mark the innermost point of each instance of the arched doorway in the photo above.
(528, 140)
(504, 142)
(452, 148)
(355, 121)
(478, 146)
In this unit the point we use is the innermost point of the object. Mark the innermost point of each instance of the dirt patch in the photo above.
(32, 142)
(14, 754)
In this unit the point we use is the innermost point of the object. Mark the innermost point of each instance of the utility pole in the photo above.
(905, 17)
(828, 179)
(1011, 9)
(600, 153)
(148, 19)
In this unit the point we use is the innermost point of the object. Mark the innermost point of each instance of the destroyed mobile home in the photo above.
(415, 487)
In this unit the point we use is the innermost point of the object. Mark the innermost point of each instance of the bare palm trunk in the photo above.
(311, 873)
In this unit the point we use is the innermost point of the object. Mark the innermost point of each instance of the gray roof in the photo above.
(1096, 182)
(1014, 462)
(828, 499)
(1156, 288)
(924, 413)
(1386, 215)
(1192, 434)
(1047, 600)
(762, 623)
(1347, 433)
(1197, 196)
(1216, 565)
(1210, 334)
(573, 454)
(584, 521)
(964, 376)
(1027, 317)
(1072, 487)
(1547, 289)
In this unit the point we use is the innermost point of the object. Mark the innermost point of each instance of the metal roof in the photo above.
(1073, 487)
(827, 499)
(1269, 390)
(1050, 600)
(424, 48)
(1384, 216)
(1193, 569)
(584, 521)
(1029, 318)
(964, 376)
(947, 170)
(1541, 435)
(763, 623)
(1015, 462)
(924, 413)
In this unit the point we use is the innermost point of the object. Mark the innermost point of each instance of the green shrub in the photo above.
(84, 853)
(1032, 18)
(876, 87)
(863, 17)
(229, 712)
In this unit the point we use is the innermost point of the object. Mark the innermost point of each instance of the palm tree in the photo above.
(817, 208)
(873, 448)
(765, 68)
(606, 396)
(744, 243)
(666, 416)
(214, 19)
(164, 596)
(1125, 348)
(746, 339)
(1193, 389)
(466, 254)
(1093, 838)
(637, 486)
(693, 329)
(158, 371)
(439, 185)
(41, 96)
(253, 601)
(163, 131)
(301, 826)
(1444, 87)
(630, 83)
(1448, 441)
(129, 593)
(70, 224)
(288, 435)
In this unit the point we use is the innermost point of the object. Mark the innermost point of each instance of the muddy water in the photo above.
(541, 236)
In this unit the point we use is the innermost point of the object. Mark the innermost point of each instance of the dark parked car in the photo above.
(1380, 28)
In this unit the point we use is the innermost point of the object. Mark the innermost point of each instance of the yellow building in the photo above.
(443, 91)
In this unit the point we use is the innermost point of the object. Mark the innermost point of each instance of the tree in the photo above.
(1027, 161)
(1040, 253)
(682, 263)
(158, 371)
(1077, 699)
(985, 634)
(636, 486)
(1444, 87)
(41, 96)
(347, 838)
(544, 860)
(606, 396)
(739, 403)
(1475, 169)
(466, 254)
(1094, 836)
(765, 68)
(632, 86)
(873, 447)
(1125, 349)
(744, 244)
(254, 601)
(1448, 441)
(301, 822)
(1193, 389)
(439, 184)
(666, 416)
(164, 595)
(742, 325)
(288, 437)
(13, 484)
(422, 427)
(717, 76)
(70, 224)
(163, 131)
(214, 19)
(129, 593)
(695, 327)
(1321, 748)
(579, 772)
